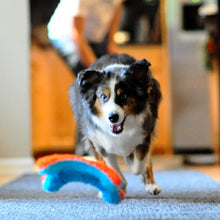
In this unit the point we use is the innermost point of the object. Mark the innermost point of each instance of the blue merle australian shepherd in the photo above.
(115, 103)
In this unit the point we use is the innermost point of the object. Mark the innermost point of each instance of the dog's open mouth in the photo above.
(117, 128)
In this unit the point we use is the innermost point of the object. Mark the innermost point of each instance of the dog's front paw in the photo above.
(152, 189)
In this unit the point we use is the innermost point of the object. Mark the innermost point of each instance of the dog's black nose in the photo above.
(113, 118)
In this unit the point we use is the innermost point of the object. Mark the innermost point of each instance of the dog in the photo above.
(115, 103)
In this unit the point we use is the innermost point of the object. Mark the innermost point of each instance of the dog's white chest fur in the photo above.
(124, 143)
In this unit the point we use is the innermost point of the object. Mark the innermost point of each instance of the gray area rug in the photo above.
(187, 194)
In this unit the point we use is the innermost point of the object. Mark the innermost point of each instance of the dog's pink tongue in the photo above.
(117, 127)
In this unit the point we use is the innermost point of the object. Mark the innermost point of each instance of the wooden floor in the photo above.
(160, 163)
(6, 178)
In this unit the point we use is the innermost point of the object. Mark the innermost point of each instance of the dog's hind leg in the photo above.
(139, 162)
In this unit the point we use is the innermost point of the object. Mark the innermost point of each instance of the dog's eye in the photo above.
(104, 97)
(123, 97)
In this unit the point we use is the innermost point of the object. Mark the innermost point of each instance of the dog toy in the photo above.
(58, 169)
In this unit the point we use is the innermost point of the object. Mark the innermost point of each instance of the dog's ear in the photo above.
(139, 69)
(154, 96)
(88, 78)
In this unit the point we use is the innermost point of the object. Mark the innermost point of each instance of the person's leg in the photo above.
(68, 52)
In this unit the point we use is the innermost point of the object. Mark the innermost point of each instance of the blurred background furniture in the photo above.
(52, 123)
(189, 116)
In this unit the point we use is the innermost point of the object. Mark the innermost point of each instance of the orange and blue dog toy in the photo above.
(58, 169)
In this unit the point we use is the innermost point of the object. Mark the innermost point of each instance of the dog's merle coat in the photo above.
(115, 103)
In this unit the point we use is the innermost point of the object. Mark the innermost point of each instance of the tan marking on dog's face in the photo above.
(107, 92)
(130, 107)
(119, 91)
(98, 104)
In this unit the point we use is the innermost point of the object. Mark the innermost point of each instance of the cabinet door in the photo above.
(53, 127)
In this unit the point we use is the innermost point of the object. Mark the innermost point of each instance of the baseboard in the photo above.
(16, 166)
(193, 150)
(197, 156)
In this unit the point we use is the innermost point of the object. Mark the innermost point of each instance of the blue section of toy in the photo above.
(62, 172)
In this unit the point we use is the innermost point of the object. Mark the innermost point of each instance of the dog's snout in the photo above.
(113, 117)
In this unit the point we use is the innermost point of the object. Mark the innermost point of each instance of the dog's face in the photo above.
(117, 92)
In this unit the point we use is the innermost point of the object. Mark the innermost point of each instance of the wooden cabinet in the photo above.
(53, 127)
(214, 108)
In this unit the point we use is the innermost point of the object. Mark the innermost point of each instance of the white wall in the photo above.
(14, 79)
